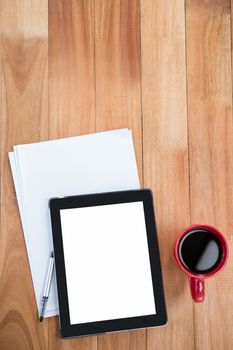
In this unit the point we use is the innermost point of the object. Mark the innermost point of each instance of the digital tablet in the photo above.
(107, 263)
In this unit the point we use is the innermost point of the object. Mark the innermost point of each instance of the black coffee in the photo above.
(200, 251)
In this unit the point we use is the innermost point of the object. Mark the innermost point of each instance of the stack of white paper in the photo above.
(84, 164)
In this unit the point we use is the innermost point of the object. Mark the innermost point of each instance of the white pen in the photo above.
(47, 286)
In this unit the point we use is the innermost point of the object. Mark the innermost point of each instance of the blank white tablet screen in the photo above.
(107, 262)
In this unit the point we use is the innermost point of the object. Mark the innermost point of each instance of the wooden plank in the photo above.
(118, 101)
(165, 155)
(211, 154)
(71, 96)
(71, 67)
(24, 119)
(118, 80)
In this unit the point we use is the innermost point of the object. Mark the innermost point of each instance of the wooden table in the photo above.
(161, 68)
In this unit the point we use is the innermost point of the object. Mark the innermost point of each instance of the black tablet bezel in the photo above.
(91, 328)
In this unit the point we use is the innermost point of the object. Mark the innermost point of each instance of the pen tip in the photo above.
(41, 318)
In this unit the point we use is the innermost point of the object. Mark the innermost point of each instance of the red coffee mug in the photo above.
(197, 280)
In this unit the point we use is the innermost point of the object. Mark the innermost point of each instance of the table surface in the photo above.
(161, 68)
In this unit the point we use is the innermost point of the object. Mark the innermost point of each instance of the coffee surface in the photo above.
(200, 251)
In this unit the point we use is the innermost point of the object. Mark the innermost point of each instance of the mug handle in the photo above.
(197, 288)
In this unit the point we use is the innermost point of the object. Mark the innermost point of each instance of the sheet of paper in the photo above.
(84, 164)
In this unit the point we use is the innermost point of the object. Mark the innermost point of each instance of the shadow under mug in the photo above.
(197, 280)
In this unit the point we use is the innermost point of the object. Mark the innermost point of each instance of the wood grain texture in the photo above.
(165, 155)
(211, 154)
(71, 97)
(117, 64)
(118, 101)
(24, 119)
(71, 67)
